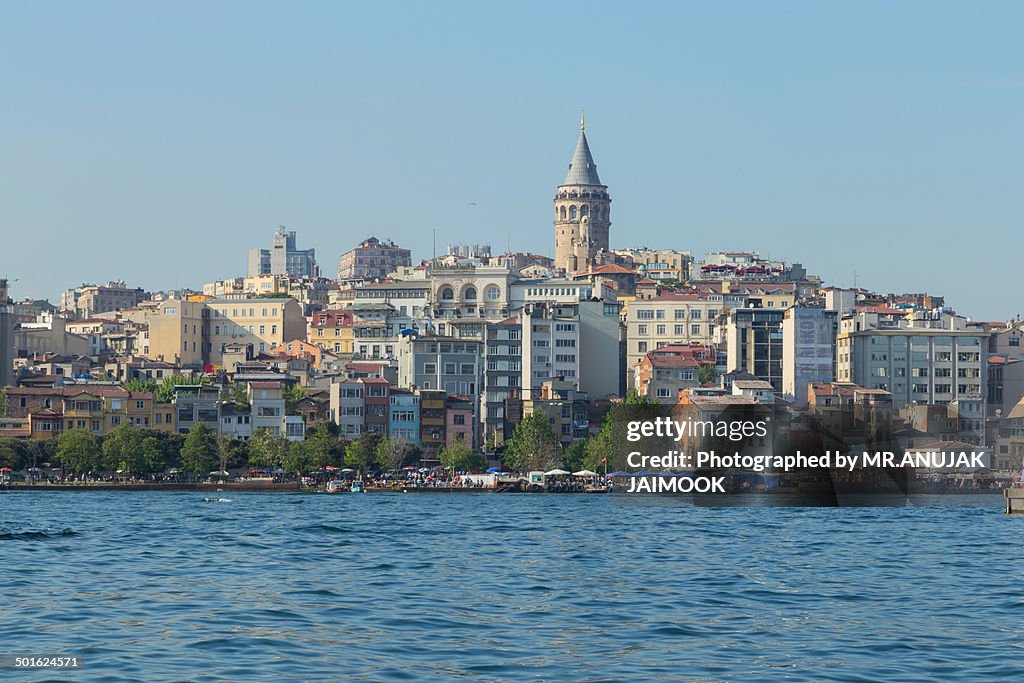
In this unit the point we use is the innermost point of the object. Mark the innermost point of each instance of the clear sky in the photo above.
(156, 143)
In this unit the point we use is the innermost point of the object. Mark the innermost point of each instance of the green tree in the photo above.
(78, 450)
(706, 374)
(392, 453)
(456, 456)
(165, 390)
(12, 453)
(534, 445)
(292, 395)
(122, 450)
(267, 449)
(153, 456)
(199, 452)
(574, 455)
(140, 384)
(362, 453)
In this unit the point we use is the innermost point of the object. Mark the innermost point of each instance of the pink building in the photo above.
(458, 420)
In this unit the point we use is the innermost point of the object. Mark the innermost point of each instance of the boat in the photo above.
(357, 487)
(336, 486)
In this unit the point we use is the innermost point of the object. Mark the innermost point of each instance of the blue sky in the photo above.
(157, 143)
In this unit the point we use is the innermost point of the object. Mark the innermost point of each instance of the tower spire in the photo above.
(583, 126)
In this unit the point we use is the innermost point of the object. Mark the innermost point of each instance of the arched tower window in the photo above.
(572, 213)
(563, 213)
(469, 294)
(584, 210)
(446, 294)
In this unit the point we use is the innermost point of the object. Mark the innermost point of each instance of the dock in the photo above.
(1014, 501)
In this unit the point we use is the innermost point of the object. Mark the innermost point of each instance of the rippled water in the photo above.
(481, 587)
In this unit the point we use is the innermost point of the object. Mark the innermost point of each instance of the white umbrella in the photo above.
(219, 473)
(584, 473)
(555, 472)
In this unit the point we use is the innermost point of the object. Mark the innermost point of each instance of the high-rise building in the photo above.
(283, 257)
(582, 208)
(6, 336)
(808, 350)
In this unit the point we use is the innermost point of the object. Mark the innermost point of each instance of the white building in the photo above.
(920, 358)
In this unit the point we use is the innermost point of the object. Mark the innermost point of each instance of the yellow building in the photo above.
(264, 323)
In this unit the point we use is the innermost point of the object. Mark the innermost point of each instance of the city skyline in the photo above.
(784, 135)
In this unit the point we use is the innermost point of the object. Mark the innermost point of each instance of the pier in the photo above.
(1014, 501)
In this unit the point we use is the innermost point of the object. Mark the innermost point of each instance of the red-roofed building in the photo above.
(665, 372)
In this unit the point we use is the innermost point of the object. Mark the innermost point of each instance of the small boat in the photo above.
(357, 487)
(336, 486)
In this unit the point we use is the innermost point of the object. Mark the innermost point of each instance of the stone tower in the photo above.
(582, 207)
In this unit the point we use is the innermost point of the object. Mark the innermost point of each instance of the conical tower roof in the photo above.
(582, 169)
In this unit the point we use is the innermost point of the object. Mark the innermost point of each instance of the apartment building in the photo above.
(404, 415)
(753, 343)
(552, 349)
(672, 318)
(88, 300)
(808, 350)
(376, 400)
(503, 354)
(665, 372)
(448, 363)
(96, 408)
(264, 323)
(348, 407)
(919, 358)
(433, 409)
(373, 259)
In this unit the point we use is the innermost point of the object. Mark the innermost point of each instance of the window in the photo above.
(139, 405)
(466, 369)
(659, 330)
(686, 375)
(664, 393)
(429, 368)
(645, 315)
(695, 314)
(694, 329)
(642, 347)
(459, 419)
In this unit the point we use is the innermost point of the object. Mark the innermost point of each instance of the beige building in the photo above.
(176, 333)
(263, 323)
(88, 300)
(582, 207)
(673, 319)
(658, 264)
(373, 259)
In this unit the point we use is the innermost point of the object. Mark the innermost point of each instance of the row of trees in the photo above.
(535, 446)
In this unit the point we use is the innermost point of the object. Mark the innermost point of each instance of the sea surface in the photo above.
(164, 586)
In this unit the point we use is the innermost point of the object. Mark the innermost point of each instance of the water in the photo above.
(481, 587)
